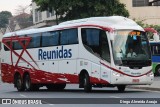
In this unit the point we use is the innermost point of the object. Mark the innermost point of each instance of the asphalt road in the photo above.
(73, 92)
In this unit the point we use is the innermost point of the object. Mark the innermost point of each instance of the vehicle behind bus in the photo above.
(155, 49)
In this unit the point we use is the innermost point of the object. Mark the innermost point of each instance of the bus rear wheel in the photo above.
(28, 85)
(18, 83)
(121, 88)
(87, 84)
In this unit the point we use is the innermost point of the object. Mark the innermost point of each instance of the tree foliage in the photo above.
(76, 9)
(21, 9)
(144, 25)
(4, 17)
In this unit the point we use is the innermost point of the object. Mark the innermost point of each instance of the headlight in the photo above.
(150, 74)
(116, 74)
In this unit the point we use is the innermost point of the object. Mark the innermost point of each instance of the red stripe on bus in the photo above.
(89, 25)
(121, 72)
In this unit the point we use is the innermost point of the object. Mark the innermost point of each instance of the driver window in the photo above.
(105, 53)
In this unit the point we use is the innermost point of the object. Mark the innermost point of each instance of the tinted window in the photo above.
(95, 41)
(16, 45)
(155, 49)
(105, 53)
(35, 40)
(5, 48)
(50, 39)
(91, 37)
(69, 37)
(140, 3)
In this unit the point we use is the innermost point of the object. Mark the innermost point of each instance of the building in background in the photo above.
(42, 19)
(141, 10)
(144, 10)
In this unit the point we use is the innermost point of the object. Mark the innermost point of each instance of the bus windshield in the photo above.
(131, 48)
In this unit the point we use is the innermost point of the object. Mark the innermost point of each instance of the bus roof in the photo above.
(113, 22)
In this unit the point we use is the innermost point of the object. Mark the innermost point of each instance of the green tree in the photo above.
(4, 17)
(144, 25)
(76, 9)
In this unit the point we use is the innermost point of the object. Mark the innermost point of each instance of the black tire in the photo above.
(121, 88)
(19, 83)
(28, 85)
(157, 73)
(87, 84)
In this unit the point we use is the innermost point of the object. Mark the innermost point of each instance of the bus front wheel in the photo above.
(121, 88)
(87, 84)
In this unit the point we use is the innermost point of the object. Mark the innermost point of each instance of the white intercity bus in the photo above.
(92, 52)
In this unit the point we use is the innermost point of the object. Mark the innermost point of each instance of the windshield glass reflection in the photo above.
(131, 48)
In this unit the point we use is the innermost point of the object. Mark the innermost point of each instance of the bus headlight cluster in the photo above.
(116, 74)
(150, 74)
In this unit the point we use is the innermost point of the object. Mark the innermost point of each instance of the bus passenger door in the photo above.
(105, 72)
(105, 58)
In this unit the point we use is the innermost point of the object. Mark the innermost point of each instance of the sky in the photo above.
(12, 5)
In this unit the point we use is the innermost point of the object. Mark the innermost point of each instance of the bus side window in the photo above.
(69, 36)
(35, 40)
(90, 39)
(16, 45)
(156, 50)
(5, 48)
(50, 39)
(105, 53)
(152, 49)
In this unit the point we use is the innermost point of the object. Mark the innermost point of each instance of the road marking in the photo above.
(23, 95)
(146, 90)
(51, 104)
(151, 91)
(114, 97)
(48, 103)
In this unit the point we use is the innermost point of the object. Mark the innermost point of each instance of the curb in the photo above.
(145, 88)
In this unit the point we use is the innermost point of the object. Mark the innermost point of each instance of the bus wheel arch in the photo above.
(157, 70)
(84, 81)
(18, 82)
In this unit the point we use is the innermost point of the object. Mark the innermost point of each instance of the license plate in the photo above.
(135, 80)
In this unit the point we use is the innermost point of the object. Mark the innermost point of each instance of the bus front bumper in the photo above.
(128, 80)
